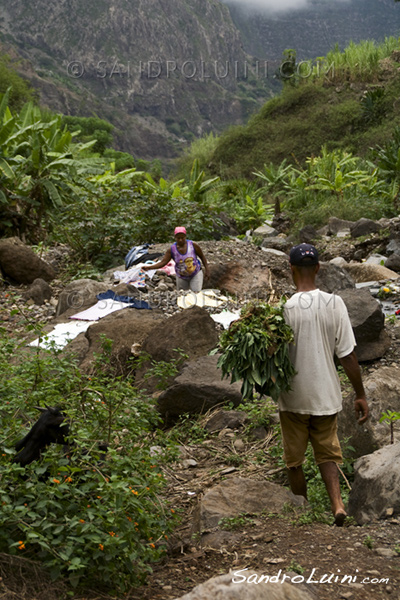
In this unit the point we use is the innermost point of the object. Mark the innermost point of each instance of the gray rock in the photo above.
(124, 328)
(364, 227)
(335, 225)
(19, 263)
(382, 388)
(393, 246)
(376, 485)
(79, 295)
(277, 243)
(332, 278)
(198, 388)
(308, 235)
(242, 587)
(376, 259)
(265, 231)
(393, 263)
(339, 261)
(226, 419)
(369, 272)
(273, 251)
(39, 291)
(367, 320)
(236, 496)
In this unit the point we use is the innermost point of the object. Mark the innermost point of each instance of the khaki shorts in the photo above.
(298, 429)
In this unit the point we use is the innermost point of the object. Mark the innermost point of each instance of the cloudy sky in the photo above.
(275, 5)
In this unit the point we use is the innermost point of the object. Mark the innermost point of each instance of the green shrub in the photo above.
(98, 522)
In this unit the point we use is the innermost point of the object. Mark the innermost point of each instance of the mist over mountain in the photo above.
(275, 6)
(311, 27)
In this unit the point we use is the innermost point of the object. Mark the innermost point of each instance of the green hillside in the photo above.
(352, 106)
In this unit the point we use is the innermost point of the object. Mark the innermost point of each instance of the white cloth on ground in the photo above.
(99, 310)
(61, 334)
(203, 298)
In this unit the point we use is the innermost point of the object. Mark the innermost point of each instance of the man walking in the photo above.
(308, 412)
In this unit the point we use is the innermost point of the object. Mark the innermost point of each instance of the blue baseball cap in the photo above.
(303, 255)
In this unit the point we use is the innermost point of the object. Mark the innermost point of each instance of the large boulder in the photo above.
(192, 330)
(393, 263)
(382, 389)
(364, 227)
(336, 226)
(242, 585)
(124, 328)
(39, 292)
(236, 496)
(376, 486)
(79, 295)
(332, 277)
(198, 388)
(367, 320)
(19, 263)
(362, 272)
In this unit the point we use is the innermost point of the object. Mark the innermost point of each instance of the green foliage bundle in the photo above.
(97, 521)
(255, 349)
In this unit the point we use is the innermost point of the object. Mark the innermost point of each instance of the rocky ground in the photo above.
(269, 544)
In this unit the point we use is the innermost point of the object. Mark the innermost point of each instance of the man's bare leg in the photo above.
(297, 481)
(330, 476)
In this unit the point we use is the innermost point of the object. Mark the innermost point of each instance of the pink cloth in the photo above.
(169, 268)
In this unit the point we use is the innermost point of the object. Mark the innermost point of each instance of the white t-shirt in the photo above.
(321, 328)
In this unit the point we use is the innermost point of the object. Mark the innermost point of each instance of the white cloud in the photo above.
(274, 5)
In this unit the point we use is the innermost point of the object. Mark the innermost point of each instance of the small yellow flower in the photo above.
(68, 479)
(134, 492)
(111, 533)
(101, 547)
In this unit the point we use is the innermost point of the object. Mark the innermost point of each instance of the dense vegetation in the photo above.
(347, 100)
(96, 521)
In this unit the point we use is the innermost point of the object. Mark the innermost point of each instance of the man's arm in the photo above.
(352, 370)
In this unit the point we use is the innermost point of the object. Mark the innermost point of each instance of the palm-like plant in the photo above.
(39, 165)
(275, 181)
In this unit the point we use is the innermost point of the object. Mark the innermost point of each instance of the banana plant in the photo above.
(275, 181)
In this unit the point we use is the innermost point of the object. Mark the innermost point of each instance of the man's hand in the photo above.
(361, 410)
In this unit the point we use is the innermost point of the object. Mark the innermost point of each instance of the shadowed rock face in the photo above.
(19, 263)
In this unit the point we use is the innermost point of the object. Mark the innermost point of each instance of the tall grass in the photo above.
(201, 149)
(359, 62)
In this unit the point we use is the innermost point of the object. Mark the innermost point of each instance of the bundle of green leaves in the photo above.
(255, 349)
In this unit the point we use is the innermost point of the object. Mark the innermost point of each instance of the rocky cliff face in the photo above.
(160, 70)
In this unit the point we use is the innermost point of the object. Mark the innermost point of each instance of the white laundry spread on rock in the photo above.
(99, 310)
(61, 334)
(203, 298)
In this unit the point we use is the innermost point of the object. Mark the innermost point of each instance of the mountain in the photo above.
(165, 71)
(161, 71)
(314, 30)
